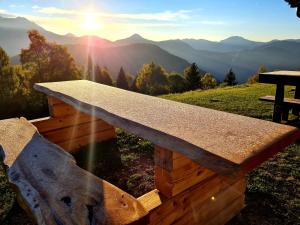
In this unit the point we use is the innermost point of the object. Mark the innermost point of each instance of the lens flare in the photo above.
(90, 22)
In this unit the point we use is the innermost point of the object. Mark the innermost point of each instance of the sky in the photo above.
(259, 20)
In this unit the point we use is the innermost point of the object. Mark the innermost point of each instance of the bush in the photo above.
(254, 78)
(152, 79)
(177, 83)
(208, 81)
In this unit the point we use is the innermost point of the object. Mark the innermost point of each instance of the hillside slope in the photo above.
(13, 35)
(131, 57)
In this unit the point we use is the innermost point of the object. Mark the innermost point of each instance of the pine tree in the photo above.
(122, 81)
(192, 75)
(98, 74)
(230, 78)
(4, 59)
(90, 69)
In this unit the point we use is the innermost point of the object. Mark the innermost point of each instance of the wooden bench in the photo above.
(288, 104)
(201, 155)
(56, 191)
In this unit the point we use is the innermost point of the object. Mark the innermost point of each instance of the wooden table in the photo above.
(281, 78)
(200, 158)
(220, 141)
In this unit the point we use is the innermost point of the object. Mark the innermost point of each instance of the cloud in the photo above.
(158, 16)
(54, 10)
(16, 6)
(35, 7)
(211, 22)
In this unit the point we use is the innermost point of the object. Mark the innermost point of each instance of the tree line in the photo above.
(43, 61)
(153, 79)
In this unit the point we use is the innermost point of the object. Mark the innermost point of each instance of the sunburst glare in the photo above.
(91, 22)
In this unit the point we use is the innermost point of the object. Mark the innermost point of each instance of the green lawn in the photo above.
(242, 99)
(273, 191)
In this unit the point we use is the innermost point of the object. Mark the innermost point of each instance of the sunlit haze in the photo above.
(159, 20)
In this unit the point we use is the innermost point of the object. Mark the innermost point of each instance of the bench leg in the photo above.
(285, 114)
(297, 96)
(278, 106)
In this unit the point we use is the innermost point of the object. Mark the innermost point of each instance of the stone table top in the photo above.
(220, 141)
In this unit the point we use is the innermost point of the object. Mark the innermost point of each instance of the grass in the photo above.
(273, 190)
(7, 196)
(241, 99)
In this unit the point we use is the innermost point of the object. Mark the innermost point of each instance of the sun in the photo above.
(90, 22)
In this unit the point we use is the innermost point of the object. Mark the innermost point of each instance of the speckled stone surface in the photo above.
(15, 134)
(283, 73)
(280, 77)
(217, 140)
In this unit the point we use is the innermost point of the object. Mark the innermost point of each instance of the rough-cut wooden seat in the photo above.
(54, 189)
(291, 102)
(219, 141)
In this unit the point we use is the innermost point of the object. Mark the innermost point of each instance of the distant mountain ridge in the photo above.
(242, 55)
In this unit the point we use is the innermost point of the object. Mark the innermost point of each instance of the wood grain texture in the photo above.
(197, 203)
(170, 187)
(151, 200)
(61, 110)
(219, 141)
(55, 190)
(175, 173)
(204, 212)
(76, 131)
(49, 123)
(220, 217)
(228, 212)
(75, 144)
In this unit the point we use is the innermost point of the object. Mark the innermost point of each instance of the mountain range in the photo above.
(242, 55)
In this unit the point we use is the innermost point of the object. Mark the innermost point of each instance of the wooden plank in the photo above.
(75, 144)
(170, 187)
(55, 190)
(175, 173)
(177, 165)
(172, 208)
(54, 101)
(290, 101)
(61, 110)
(219, 218)
(220, 141)
(49, 123)
(201, 213)
(151, 200)
(65, 134)
(227, 213)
